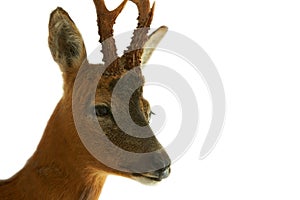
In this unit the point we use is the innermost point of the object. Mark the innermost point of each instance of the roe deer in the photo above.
(63, 165)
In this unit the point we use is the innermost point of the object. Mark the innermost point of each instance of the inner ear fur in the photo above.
(65, 41)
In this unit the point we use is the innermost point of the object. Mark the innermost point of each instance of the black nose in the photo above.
(163, 173)
(158, 175)
(161, 166)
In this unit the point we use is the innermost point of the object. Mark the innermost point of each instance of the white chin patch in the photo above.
(144, 180)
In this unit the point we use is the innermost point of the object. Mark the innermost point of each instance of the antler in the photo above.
(133, 54)
(106, 20)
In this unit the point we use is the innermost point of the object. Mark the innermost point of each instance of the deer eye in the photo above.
(102, 110)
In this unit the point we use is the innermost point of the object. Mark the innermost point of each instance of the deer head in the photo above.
(90, 92)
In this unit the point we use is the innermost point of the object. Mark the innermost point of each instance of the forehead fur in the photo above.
(131, 78)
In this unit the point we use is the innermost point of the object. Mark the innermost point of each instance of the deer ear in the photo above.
(65, 42)
(152, 43)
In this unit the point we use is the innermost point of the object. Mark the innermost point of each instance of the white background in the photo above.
(255, 46)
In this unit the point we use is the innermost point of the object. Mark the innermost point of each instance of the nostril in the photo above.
(164, 172)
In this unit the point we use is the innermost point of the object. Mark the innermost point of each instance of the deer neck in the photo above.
(56, 170)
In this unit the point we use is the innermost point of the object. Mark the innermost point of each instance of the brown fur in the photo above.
(62, 167)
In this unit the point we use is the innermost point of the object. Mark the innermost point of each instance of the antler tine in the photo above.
(144, 11)
(140, 34)
(106, 20)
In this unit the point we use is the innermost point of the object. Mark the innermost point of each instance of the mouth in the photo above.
(152, 178)
(147, 176)
(146, 180)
